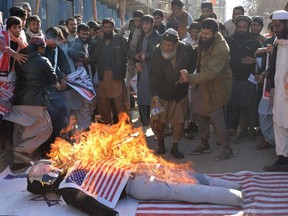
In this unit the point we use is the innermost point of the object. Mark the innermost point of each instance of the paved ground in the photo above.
(245, 158)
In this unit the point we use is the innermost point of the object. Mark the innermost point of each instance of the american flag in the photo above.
(104, 181)
(264, 194)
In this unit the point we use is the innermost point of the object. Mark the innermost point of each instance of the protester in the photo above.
(145, 46)
(32, 121)
(158, 16)
(71, 25)
(256, 28)
(230, 26)
(206, 12)
(110, 55)
(214, 81)
(168, 59)
(179, 19)
(279, 82)
(34, 27)
(242, 106)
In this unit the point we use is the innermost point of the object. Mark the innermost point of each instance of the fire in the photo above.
(122, 143)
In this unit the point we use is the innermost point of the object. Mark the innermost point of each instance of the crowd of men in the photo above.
(191, 74)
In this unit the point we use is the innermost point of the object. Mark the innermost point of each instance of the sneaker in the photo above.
(225, 154)
(200, 149)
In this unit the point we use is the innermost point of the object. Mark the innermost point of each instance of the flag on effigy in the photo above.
(81, 82)
(265, 194)
(104, 181)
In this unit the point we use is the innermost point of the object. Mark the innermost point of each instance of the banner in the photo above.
(81, 82)
(6, 92)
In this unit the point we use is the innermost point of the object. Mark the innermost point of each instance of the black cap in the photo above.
(258, 19)
(207, 5)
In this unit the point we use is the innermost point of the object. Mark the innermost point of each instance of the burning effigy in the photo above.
(108, 159)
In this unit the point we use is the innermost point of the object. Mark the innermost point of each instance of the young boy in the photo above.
(34, 27)
(194, 33)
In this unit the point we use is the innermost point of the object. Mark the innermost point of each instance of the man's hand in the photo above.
(184, 77)
(248, 60)
(139, 67)
(20, 58)
(63, 84)
(138, 56)
(156, 102)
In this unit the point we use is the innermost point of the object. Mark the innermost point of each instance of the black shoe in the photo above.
(252, 134)
(281, 165)
(175, 152)
(193, 127)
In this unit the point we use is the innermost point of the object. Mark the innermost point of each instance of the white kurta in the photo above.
(280, 106)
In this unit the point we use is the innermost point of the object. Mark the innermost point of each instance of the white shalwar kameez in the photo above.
(280, 105)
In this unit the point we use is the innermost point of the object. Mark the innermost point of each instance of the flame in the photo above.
(123, 143)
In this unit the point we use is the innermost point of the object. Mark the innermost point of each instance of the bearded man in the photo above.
(213, 82)
(110, 55)
(168, 59)
(278, 77)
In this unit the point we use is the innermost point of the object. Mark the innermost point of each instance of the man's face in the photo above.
(99, 33)
(84, 36)
(242, 27)
(177, 11)
(108, 28)
(194, 33)
(34, 26)
(147, 27)
(207, 36)
(280, 29)
(72, 26)
(16, 29)
(41, 50)
(53, 42)
(236, 12)
(168, 49)
(256, 28)
(206, 12)
(158, 20)
(92, 33)
(137, 22)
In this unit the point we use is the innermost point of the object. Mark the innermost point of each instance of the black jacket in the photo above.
(120, 52)
(33, 77)
(241, 48)
(163, 76)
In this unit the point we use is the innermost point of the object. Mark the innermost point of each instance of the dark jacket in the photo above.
(32, 78)
(241, 48)
(120, 52)
(163, 76)
(161, 29)
(153, 39)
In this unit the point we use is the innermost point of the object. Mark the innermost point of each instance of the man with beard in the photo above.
(110, 55)
(256, 28)
(242, 106)
(278, 77)
(230, 26)
(80, 51)
(213, 82)
(168, 59)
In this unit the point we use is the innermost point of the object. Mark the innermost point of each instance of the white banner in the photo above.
(82, 83)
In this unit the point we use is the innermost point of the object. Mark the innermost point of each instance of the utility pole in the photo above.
(94, 10)
(121, 5)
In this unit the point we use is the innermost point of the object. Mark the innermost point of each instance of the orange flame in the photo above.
(123, 143)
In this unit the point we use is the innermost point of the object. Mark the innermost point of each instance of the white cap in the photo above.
(280, 15)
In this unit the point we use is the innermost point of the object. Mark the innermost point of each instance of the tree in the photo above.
(263, 7)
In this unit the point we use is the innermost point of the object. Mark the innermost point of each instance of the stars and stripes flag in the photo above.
(104, 181)
(265, 194)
